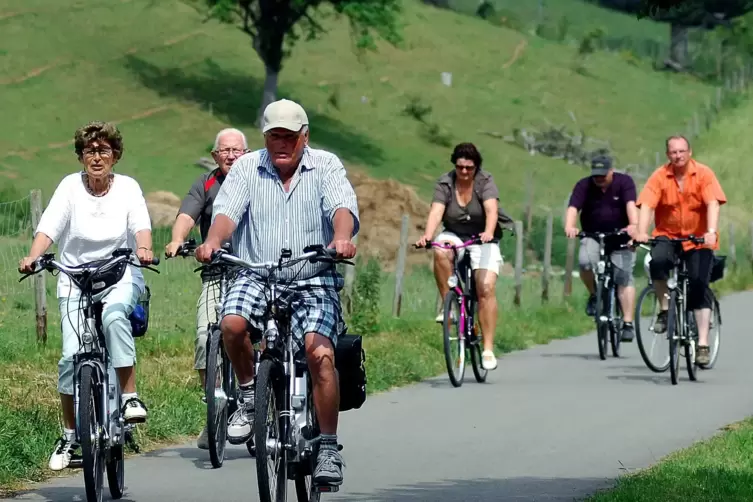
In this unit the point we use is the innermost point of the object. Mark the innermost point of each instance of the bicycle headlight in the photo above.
(672, 283)
(600, 267)
(452, 281)
(87, 338)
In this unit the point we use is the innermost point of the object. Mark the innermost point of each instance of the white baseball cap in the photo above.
(285, 114)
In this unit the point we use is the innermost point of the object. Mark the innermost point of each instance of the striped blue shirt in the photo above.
(269, 219)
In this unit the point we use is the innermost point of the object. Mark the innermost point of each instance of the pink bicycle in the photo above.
(460, 306)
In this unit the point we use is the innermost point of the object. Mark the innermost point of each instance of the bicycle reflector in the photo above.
(452, 281)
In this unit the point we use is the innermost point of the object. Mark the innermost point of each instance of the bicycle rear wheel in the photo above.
(650, 348)
(90, 398)
(673, 335)
(269, 433)
(454, 338)
(602, 327)
(217, 399)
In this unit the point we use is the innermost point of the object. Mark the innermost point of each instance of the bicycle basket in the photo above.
(717, 268)
(104, 278)
(140, 316)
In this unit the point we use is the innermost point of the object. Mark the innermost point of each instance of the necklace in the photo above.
(85, 179)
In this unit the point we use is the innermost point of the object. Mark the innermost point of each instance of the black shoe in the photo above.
(660, 326)
(591, 306)
(628, 332)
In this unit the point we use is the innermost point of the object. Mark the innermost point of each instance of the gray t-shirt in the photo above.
(469, 220)
(198, 204)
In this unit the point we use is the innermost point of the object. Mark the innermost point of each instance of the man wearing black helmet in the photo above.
(606, 202)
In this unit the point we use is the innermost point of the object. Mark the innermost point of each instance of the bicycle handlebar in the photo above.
(596, 235)
(47, 262)
(448, 245)
(690, 238)
(312, 253)
(186, 249)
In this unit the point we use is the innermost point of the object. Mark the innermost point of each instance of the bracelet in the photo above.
(142, 247)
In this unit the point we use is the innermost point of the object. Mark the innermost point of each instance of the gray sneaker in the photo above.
(329, 468)
(241, 424)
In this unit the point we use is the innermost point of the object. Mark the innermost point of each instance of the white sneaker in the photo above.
(440, 317)
(203, 441)
(134, 411)
(241, 424)
(61, 455)
(488, 361)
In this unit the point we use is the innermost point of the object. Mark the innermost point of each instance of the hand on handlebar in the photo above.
(344, 247)
(485, 236)
(204, 252)
(26, 265)
(172, 248)
(571, 232)
(145, 256)
(421, 243)
(641, 237)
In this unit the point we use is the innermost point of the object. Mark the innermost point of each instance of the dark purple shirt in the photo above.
(603, 211)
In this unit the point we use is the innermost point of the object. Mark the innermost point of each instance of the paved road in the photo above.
(552, 423)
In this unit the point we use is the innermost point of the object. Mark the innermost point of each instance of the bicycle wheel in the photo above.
(651, 348)
(89, 408)
(715, 333)
(216, 398)
(673, 335)
(116, 456)
(269, 430)
(476, 345)
(690, 348)
(615, 326)
(304, 486)
(454, 338)
(602, 326)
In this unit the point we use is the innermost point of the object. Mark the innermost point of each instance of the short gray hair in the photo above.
(227, 131)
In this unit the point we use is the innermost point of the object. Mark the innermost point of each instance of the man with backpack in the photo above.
(230, 144)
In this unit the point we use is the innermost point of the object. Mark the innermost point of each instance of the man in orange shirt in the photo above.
(684, 198)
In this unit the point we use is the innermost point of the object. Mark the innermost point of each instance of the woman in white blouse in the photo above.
(92, 213)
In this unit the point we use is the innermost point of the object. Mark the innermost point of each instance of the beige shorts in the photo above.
(483, 256)
(205, 315)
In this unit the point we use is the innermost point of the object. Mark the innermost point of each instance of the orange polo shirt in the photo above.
(681, 213)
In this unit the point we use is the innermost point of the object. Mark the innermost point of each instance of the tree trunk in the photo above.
(269, 94)
(678, 48)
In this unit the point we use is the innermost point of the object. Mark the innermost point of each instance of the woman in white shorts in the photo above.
(466, 202)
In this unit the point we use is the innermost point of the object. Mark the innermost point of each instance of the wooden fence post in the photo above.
(518, 261)
(350, 276)
(568, 289)
(400, 270)
(547, 258)
(40, 290)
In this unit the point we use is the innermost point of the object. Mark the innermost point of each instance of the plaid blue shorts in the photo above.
(315, 305)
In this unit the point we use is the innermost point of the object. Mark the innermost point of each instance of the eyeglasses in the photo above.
(466, 168)
(105, 152)
(227, 151)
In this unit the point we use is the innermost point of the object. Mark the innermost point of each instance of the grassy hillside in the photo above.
(156, 68)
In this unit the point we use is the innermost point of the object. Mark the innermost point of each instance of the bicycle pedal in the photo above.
(76, 462)
(326, 488)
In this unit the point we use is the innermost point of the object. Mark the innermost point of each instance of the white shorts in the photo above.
(483, 256)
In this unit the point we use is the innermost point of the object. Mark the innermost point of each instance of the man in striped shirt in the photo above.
(287, 195)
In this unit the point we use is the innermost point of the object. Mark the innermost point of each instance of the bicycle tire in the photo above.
(674, 358)
(690, 348)
(304, 474)
(451, 300)
(269, 383)
(115, 465)
(89, 411)
(216, 418)
(716, 318)
(615, 326)
(602, 329)
(649, 289)
(475, 345)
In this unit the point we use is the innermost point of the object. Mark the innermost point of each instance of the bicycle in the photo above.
(462, 295)
(222, 397)
(609, 316)
(284, 390)
(681, 325)
(100, 428)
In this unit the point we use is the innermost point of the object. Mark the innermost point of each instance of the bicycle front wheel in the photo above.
(673, 334)
(269, 430)
(454, 339)
(602, 327)
(217, 399)
(615, 326)
(304, 473)
(650, 345)
(90, 399)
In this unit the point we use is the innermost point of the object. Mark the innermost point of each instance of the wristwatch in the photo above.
(711, 230)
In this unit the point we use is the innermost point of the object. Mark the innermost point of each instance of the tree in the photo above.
(682, 15)
(276, 25)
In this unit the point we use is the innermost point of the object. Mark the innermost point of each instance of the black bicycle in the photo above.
(285, 420)
(681, 325)
(221, 397)
(460, 306)
(100, 427)
(609, 317)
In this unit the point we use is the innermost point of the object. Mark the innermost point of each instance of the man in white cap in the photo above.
(287, 195)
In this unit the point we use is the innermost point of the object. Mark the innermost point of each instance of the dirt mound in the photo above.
(163, 207)
(381, 204)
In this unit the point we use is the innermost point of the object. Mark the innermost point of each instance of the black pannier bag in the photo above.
(350, 360)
